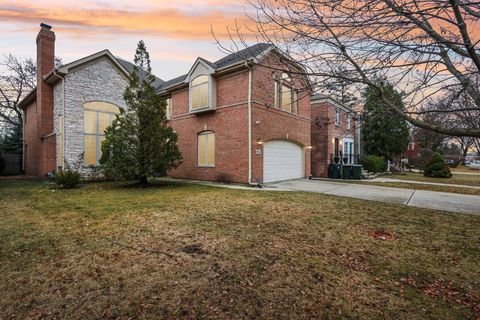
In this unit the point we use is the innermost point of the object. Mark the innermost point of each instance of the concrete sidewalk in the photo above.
(444, 201)
(382, 179)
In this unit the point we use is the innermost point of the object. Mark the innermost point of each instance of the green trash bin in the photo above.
(357, 171)
(334, 171)
(347, 171)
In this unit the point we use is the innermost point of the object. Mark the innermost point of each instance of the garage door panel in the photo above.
(282, 160)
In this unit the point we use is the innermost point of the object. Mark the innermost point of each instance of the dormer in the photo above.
(202, 87)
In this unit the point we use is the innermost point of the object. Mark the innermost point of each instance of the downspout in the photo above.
(63, 116)
(64, 132)
(250, 124)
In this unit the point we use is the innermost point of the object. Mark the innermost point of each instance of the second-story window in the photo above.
(337, 116)
(285, 96)
(199, 92)
(168, 108)
(287, 93)
(349, 121)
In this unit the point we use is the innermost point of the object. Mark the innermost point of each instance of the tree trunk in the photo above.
(464, 154)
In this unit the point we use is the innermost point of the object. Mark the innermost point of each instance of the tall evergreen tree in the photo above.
(384, 133)
(139, 144)
(12, 143)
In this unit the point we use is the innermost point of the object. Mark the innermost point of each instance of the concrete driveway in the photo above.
(444, 201)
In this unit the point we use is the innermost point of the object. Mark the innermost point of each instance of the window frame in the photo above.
(349, 121)
(206, 134)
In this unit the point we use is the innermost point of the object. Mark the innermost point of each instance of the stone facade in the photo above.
(97, 80)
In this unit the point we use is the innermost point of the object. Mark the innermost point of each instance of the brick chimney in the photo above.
(45, 64)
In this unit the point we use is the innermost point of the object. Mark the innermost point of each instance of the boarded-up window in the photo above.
(97, 116)
(206, 149)
(199, 92)
(168, 108)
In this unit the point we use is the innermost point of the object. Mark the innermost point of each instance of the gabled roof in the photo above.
(254, 52)
(130, 67)
(245, 54)
(55, 75)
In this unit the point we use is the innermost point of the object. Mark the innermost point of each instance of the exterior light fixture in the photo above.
(309, 147)
(259, 141)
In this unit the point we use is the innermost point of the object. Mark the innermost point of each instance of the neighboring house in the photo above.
(335, 134)
(236, 118)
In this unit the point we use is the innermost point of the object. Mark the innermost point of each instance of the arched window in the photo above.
(286, 77)
(206, 149)
(199, 92)
(97, 116)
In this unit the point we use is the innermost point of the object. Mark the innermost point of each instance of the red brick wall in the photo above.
(45, 64)
(269, 123)
(230, 125)
(323, 132)
(31, 142)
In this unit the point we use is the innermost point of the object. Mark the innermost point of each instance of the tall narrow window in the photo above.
(276, 99)
(168, 108)
(97, 116)
(286, 98)
(287, 93)
(60, 141)
(295, 102)
(206, 149)
(349, 121)
(199, 92)
(337, 116)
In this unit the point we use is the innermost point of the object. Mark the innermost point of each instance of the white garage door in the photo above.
(282, 160)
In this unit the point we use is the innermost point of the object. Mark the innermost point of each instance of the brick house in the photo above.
(246, 118)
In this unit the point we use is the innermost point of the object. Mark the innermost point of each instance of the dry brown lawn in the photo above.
(107, 251)
(460, 179)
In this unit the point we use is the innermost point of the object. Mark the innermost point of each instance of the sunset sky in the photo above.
(176, 32)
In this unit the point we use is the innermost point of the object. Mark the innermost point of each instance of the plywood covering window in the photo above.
(168, 108)
(199, 92)
(206, 149)
(97, 116)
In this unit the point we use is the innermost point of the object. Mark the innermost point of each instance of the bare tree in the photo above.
(423, 47)
(17, 78)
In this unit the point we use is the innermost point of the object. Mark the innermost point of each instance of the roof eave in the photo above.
(28, 99)
(332, 101)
